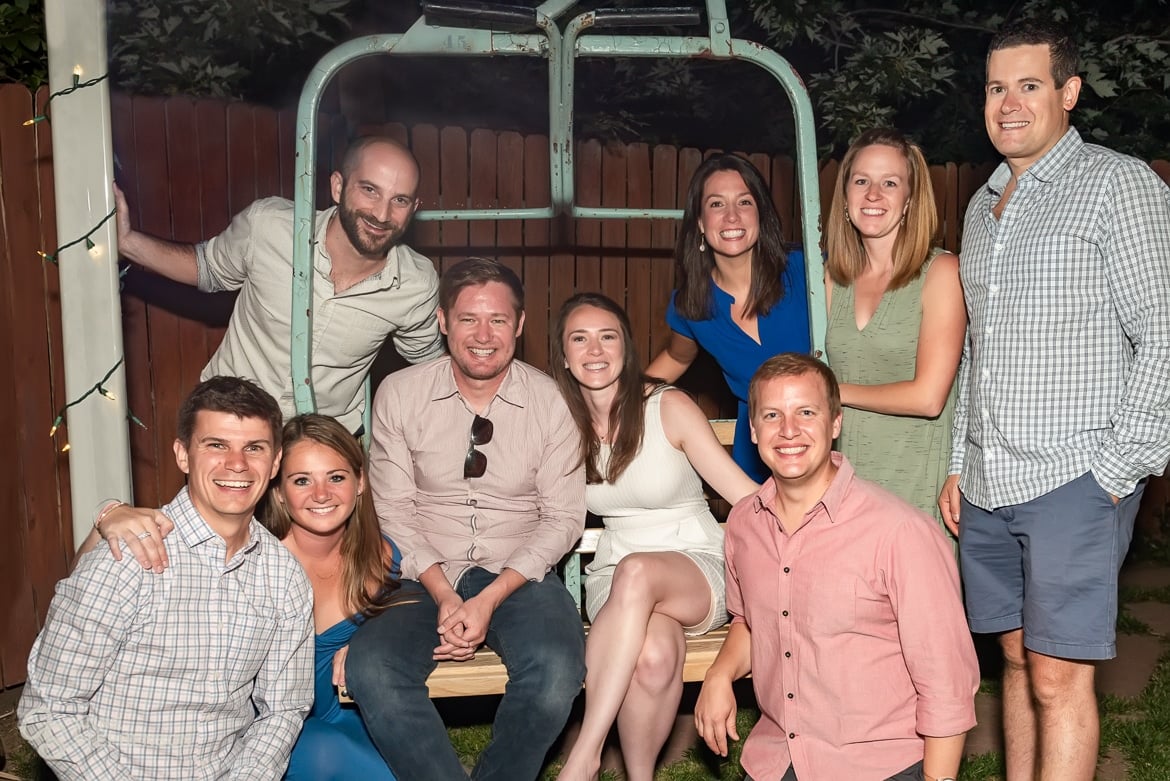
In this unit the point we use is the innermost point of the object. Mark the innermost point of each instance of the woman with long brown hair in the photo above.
(321, 510)
(658, 572)
(741, 296)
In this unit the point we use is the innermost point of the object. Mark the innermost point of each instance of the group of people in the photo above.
(212, 650)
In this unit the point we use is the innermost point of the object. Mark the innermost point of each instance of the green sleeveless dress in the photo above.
(905, 455)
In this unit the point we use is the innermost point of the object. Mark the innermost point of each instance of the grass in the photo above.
(24, 763)
(1138, 727)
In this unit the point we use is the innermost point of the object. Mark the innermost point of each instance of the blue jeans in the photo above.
(537, 633)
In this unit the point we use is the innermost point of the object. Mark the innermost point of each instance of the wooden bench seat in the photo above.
(485, 674)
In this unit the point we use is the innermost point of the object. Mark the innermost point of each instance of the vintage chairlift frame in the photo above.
(498, 30)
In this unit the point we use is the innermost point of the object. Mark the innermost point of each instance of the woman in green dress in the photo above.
(896, 318)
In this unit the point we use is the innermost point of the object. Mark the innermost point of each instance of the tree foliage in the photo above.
(22, 43)
(219, 48)
(919, 64)
(915, 64)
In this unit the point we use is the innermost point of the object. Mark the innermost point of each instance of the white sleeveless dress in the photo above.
(656, 505)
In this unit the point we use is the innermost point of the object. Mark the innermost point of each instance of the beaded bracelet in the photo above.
(101, 516)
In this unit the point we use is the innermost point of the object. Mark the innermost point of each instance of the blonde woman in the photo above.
(896, 318)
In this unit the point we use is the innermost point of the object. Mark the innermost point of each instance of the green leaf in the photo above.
(1105, 88)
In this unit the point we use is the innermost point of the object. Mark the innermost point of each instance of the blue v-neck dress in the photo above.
(334, 744)
(783, 329)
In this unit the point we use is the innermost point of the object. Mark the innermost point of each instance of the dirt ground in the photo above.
(9, 736)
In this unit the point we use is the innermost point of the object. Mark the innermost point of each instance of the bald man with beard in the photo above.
(367, 285)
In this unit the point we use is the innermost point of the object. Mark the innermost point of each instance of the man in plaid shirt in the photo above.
(1064, 396)
(204, 671)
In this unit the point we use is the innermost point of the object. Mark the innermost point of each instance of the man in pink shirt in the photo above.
(845, 609)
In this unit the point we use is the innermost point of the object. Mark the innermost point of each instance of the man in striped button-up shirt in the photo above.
(1064, 395)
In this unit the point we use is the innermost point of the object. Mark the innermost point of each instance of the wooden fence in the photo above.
(187, 166)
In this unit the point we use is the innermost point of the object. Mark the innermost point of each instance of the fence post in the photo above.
(91, 313)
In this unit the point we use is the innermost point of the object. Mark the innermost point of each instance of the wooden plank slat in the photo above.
(613, 232)
(165, 359)
(144, 466)
(785, 197)
(949, 205)
(286, 135)
(1162, 169)
(23, 411)
(328, 157)
(542, 271)
(724, 430)
(186, 220)
(59, 543)
(212, 183)
(486, 674)
(938, 184)
(588, 232)
(639, 238)
(509, 173)
(266, 143)
(826, 179)
(663, 232)
(453, 188)
(424, 144)
(482, 186)
(241, 148)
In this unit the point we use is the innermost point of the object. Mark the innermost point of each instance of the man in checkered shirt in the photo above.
(1064, 396)
(204, 671)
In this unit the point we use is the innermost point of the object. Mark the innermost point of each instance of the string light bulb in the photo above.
(100, 388)
(89, 242)
(77, 84)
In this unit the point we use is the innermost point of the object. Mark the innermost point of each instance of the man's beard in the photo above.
(368, 246)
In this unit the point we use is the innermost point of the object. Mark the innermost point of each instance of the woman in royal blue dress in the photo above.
(740, 296)
(320, 510)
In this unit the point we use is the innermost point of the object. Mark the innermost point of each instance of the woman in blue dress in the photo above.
(320, 510)
(740, 296)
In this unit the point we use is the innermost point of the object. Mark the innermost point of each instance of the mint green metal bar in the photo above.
(562, 53)
(576, 45)
(419, 39)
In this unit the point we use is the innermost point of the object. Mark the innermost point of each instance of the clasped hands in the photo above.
(462, 627)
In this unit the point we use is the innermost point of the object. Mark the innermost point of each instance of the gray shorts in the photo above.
(912, 773)
(1049, 566)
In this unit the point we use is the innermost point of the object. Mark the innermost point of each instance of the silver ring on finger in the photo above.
(143, 536)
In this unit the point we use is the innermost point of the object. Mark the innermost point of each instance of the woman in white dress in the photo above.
(658, 572)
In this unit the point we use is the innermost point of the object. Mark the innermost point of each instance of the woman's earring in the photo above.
(702, 243)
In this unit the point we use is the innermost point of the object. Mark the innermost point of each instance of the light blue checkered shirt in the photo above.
(1067, 365)
(202, 672)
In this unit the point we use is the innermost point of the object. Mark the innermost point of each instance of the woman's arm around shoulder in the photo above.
(940, 346)
(678, 356)
(688, 430)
